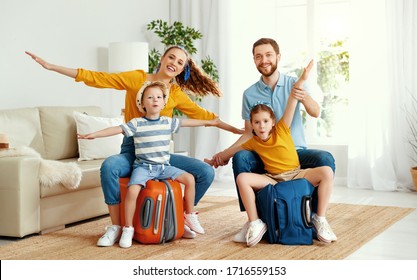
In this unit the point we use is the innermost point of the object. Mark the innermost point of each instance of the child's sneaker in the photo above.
(191, 220)
(323, 230)
(255, 232)
(127, 236)
(188, 233)
(240, 237)
(111, 236)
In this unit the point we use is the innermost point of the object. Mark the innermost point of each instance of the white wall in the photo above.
(72, 33)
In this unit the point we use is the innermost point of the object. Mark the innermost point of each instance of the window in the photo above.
(306, 29)
(319, 29)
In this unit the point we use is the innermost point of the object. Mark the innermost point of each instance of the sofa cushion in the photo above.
(23, 128)
(98, 148)
(59, 130)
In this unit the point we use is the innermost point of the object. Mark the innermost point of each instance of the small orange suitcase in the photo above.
(159, 215)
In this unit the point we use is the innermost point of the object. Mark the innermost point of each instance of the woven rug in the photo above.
(354, 225)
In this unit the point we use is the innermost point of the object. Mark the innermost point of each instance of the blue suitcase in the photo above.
(286, 209)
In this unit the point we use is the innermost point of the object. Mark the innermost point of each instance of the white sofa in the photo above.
(26, 207)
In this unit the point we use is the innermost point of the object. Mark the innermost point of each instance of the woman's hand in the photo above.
(70, 72)
(229, 127)
(39, 60)
(213, 122)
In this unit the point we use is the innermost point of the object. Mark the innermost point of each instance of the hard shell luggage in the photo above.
(286, 208)
(159, 215)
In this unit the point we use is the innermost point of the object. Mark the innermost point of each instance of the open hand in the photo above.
(39, 60)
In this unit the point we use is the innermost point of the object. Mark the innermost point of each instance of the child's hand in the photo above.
(209, 161)
(298, 91)
(86, 136)
(306, 72)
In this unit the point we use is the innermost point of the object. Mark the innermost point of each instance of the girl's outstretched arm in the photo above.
(294, 96)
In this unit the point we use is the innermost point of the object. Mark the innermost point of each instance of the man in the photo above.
(273, 88)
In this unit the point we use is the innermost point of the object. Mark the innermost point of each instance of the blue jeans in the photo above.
(248, 161)
(121, 165)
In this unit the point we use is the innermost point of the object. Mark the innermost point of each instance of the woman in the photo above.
(179, 72)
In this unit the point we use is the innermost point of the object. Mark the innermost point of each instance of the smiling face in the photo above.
(266, 59)
(173, 62)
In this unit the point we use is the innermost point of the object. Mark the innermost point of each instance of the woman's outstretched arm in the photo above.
(70, 72)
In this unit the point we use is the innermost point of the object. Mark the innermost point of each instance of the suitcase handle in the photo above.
(146, 213)
(306, 211)
(157, 214)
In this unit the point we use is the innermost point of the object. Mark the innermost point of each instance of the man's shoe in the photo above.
(188, 233)
(240, 237)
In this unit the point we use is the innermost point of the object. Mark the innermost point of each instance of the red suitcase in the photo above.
(159, 215)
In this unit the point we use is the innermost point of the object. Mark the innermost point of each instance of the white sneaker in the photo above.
(111, 236)
(127, 236)
(240, 237)
(255, 232)
(323, 230)
(191, 220)
(188, 233)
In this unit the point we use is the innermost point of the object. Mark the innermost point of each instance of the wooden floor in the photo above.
(398, 242)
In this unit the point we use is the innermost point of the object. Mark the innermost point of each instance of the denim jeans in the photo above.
(248, 161)
(121, 165)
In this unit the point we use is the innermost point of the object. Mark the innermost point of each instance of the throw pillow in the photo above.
(100, 147)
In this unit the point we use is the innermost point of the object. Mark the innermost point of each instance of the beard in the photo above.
(267, 73)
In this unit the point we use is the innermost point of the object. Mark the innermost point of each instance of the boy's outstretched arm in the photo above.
(110, 131)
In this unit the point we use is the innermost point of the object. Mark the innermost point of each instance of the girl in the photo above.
(274, 144)
(179, 73)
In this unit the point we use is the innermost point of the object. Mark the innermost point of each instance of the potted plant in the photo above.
(178, 34)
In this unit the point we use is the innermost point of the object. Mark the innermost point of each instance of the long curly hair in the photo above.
(199, 83)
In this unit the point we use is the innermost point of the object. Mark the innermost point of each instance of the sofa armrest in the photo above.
(19, 196)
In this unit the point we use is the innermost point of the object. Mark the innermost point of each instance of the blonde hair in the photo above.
(199, 83)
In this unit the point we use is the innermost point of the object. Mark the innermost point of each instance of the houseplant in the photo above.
(178, 34)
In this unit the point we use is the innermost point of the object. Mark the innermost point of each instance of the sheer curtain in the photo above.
(381, 42)
(212, 18)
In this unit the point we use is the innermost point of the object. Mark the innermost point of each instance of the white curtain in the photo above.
(212, 19)
(382, 42)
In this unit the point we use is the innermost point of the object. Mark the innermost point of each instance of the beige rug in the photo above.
(354, 225)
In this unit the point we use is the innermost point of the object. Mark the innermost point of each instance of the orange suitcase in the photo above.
(159, 215)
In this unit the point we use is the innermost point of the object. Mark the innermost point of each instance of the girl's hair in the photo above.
(266, 41)
(199, 83)
(262, 107)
